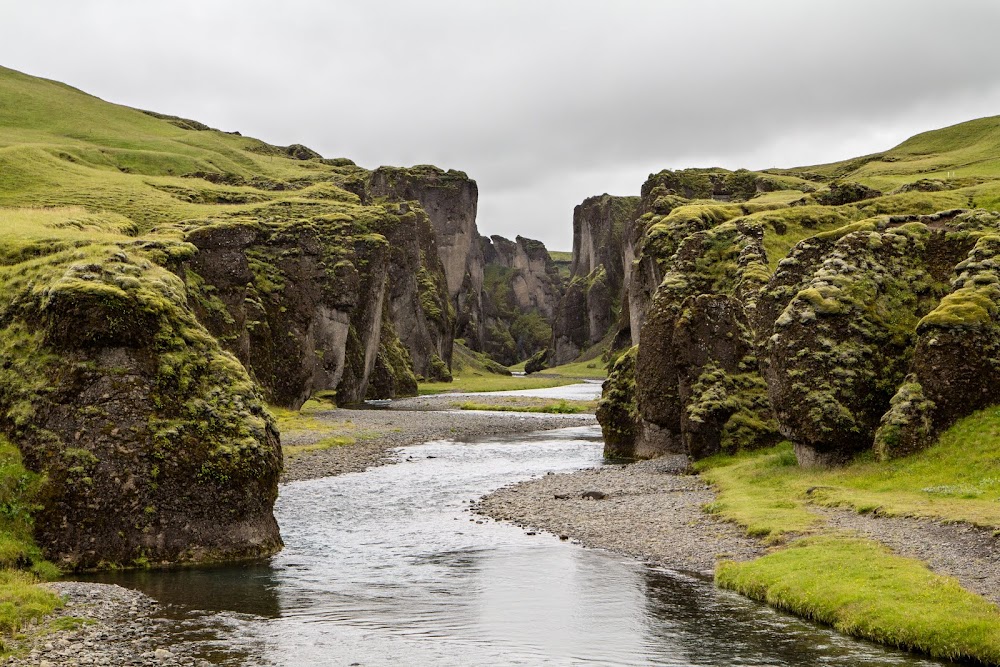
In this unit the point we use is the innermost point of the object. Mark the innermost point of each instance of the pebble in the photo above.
(120, 630)
(651, 510)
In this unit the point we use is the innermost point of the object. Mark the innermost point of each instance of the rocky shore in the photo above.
(100, 624)
(650, 510)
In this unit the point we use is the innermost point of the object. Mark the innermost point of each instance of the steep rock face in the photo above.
(820, 346)
(419, 306)
(592, 300)
(288, 300)
(154, 441)
(698, 390)
(450, 199)
(521, 292)
(616, 411)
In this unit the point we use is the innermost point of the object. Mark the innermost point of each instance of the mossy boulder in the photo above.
(538, 361)
(956, 361)
(843, 344)
(616, 411)
(154, 442)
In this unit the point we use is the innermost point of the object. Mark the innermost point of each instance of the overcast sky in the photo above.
(543, 102)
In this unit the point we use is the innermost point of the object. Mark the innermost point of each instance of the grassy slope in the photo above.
(874, 593)
(62, 147)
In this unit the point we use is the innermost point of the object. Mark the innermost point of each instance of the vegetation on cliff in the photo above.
(162, 280)
(851, 289)
(851, 312)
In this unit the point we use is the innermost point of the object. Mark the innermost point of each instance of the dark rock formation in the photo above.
(825, 349)
(155, 443)
(842, 346)
(616, 411)
(450, 199)
(521, 292)
(956, 361)
(592, 301)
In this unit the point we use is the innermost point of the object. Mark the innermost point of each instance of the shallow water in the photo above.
(388, 567)
(588, 390)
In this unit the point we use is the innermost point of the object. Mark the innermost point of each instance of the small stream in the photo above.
(389, 567)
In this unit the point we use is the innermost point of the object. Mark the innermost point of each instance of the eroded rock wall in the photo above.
(873, 330)
(450, 199)
(521, 293)
(592, 302)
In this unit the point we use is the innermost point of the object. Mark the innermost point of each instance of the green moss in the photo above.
(862, 589)
(617, 410)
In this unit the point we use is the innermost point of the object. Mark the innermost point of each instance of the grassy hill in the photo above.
(62, 147)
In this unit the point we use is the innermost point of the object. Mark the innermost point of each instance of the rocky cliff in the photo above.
(594, 298)
(522, 289)
(807, 305)
(157, 296)
(449, 199)
(155, 443)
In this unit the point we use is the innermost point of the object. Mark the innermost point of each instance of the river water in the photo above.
(389, 567)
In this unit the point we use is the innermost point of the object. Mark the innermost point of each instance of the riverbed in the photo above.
(390, 567)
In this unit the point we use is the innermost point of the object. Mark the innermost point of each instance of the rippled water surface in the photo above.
(388, 567)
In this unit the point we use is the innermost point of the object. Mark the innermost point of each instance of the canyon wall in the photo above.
(777, 305)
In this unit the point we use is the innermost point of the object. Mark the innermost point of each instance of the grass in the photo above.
(591, 369)
(293, 451)
(862, 589)
(474, 383)
(957, 479)
(21, 564)
(855, 585)
(562, 407)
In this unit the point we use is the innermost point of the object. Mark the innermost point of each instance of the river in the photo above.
(390, 567)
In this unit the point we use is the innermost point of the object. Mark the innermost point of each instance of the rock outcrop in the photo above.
(593, 298)
(521, 292)
(854, 339)
(155, 443)
(450, 199)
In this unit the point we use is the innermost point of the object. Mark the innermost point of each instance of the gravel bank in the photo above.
(379, 431)
(117, 629)
(651, 511)
(968, 553)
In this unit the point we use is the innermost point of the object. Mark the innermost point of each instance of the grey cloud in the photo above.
(544, 103)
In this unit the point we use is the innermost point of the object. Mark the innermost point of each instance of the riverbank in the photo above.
(651, 510)
(369, 436)
(99, 624)
(929, 581)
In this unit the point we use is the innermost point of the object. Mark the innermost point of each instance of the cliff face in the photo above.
(449, 199)
(802, 306)
(155, 296)
(522, 289)
(593, 299)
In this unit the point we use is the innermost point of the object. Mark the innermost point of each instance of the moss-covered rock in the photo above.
(956, 361)
(842, 346)
(616, 411)
(154, 443)
(538, 361)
